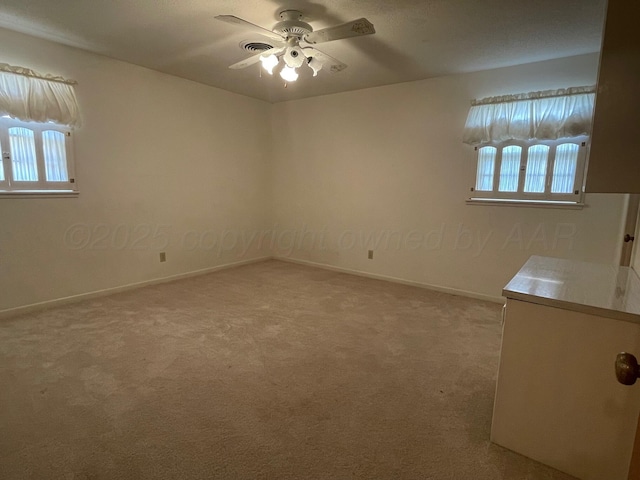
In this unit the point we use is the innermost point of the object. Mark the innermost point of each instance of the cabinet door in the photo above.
(614, 160)
(557, 398)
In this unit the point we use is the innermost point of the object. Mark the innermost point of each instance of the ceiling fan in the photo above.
(293, 43)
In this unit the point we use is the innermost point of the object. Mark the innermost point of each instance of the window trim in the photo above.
(525, 203)
(10, 188)
(521, 197)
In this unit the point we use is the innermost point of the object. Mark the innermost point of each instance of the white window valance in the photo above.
(546, 115)
(32, 97)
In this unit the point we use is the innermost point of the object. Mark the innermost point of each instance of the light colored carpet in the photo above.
(268, 371)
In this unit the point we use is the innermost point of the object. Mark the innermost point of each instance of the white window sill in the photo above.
(525, 203)
(38, 194)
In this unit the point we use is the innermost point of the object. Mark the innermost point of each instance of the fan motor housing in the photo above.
(292, 25)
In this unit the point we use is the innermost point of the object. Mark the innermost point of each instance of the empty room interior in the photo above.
(324, 240)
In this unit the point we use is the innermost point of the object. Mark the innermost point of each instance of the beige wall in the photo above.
(157, 158)
(387, 165)
(165, 164)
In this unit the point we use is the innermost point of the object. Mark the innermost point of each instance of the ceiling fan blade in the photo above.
(355, 28)
(233, 20)
(247, 62)
(334, 64)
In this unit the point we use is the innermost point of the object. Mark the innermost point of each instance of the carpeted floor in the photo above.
(268, 371)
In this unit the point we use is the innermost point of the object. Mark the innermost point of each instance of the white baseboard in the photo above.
(386, 278)
(34, 307)
(11, 312)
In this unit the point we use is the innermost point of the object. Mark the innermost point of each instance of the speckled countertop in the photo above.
(593, 288)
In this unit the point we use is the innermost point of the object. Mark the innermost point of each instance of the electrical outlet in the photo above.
(370, 254)
(163, 256)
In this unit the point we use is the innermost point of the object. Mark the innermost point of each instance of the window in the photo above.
(35, 157)
(531, 147)
(551, 170)
(37, 115)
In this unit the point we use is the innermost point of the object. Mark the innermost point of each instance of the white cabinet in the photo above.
(614, 159)
(557, 397)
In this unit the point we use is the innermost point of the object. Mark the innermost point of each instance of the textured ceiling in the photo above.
(415, 39)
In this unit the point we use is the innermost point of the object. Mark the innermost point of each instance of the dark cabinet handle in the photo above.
(628, 238)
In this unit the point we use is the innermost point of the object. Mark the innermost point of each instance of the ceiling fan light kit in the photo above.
(289, 74)
(315, 65)
(289, 34)
(269, 62)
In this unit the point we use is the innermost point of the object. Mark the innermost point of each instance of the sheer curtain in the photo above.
(486, 168)
(564, 169)
(31, 97)
(536, 169)
(55, 156)
(23, 150)
(510, 169)
(546, 115)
